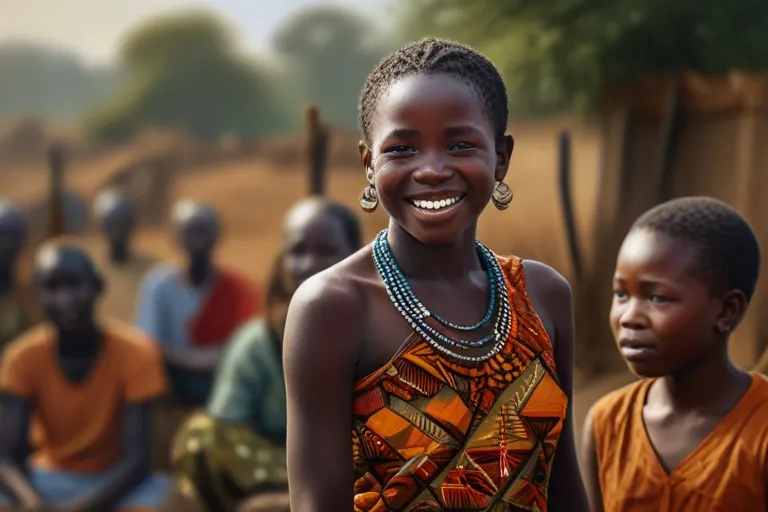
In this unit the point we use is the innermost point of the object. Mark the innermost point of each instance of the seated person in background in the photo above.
(193, 311)
(18, 308)
(123, 268)
(693, 434)
(86, 390)
(237, 448)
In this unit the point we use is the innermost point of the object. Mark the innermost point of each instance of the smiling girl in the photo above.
(424, 372)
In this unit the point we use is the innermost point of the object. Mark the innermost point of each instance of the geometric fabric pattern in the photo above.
(431, 434)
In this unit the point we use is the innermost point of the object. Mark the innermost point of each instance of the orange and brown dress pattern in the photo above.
(433, 435)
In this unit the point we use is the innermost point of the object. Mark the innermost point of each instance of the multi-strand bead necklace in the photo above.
(416, 314)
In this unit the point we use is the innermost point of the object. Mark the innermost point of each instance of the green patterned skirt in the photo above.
(220, 464)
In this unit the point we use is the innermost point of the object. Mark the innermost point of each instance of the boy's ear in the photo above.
(734, 308)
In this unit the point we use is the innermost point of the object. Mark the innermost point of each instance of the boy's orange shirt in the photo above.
(78, 426)
(727, 472)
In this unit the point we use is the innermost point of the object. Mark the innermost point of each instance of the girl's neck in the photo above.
(276, 315)
(450, 262)
(710, 384)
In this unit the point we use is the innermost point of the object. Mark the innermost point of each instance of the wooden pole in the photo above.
(566, 201)
(317, 150)
(56, 219)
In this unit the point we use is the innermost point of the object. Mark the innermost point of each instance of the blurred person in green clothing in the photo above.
(234, 451)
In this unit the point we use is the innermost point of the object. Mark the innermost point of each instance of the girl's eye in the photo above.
(399, 149)
(620, 294)
(657, 299)
(461, 146)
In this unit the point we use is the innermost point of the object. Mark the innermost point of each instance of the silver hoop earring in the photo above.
(502, 195)
(369, 199)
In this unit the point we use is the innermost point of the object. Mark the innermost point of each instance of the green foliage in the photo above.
(39, 81)
(328, 52)
(561, 54)
(161, 41)
(184, 73)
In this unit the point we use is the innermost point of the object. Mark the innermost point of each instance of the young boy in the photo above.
(192, 311)
(693, 434)
(122, 265)
(87, 391)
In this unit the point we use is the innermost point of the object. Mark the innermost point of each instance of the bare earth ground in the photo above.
(252, 195)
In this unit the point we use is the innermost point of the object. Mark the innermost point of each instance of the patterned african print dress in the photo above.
(433, 435)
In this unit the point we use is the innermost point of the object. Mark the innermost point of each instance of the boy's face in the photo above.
(313, 241)
(117, 226)
(197, 236)
(67, 289)
(663, 316)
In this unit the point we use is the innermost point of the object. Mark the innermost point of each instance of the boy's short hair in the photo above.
(729, 255)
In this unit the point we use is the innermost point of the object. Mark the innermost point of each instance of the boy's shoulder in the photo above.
(760, 381)
(759, 403)
(160, 275)
(619, 402)
(29, 345)
(131, 342)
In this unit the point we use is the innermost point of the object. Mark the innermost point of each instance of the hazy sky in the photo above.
(94, 28)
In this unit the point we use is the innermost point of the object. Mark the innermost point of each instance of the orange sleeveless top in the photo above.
(726, 472)
(433, 435)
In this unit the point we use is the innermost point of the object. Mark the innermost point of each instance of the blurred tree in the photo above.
(561, 54)
(39, 81)
(185, 73)
(328, 52)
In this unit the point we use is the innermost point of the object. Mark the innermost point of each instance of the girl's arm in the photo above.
(321, 348)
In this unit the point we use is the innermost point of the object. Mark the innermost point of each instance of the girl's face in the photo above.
(434, 155)
(314, 240)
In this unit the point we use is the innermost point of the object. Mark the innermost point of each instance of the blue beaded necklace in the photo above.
(485, 261)
(415, 313)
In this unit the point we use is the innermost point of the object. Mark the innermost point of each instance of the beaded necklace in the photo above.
(416, 314)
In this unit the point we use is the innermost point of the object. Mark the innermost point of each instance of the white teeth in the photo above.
(436, 205)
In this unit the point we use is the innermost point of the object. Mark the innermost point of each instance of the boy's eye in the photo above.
(461, 146)
(657, 299)
(619, 294)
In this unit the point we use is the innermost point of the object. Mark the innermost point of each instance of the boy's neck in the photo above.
(199, 270)
(80, 342)
(709, 384)
(119, 252)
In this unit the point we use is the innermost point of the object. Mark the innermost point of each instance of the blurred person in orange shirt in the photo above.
(83, 391)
